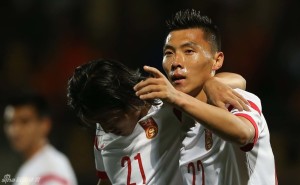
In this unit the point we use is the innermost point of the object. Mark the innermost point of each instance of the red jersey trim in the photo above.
(96, 143)
(254, 106)
(249, 146)
(52, 177)
(102, 175)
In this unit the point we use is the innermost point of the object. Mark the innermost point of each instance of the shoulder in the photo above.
(54, 159)
(53, 154)
(49, 165)
(253, 99)
(247, 95)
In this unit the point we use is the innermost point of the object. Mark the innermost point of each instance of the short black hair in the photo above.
(190, 18)
(31, 98)
(100, 86)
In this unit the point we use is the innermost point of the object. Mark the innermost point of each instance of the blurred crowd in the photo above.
(43, 41)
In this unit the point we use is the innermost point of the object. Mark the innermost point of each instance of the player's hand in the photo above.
(157, 86)
(220, 95)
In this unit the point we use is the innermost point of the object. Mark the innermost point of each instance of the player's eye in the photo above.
(189, 51)
(26, 121)
(168, 53)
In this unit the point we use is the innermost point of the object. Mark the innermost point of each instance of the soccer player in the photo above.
(137, 142)
(27, 124)
(223, 146)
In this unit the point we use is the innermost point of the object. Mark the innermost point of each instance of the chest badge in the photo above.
(208, 139)
(150, 127)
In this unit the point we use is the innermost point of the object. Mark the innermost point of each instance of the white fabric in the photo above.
(226, 163)
(157, 158)
(47, 167)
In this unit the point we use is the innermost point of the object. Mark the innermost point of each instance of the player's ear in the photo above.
(218, 60)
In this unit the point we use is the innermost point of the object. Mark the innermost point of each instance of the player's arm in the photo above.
(218, 91)
(104, 182)
(232, 79)
(223, 123)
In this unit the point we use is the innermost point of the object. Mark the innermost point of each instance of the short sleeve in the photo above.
(254, 115)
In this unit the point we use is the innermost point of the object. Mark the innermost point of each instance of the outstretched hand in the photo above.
(156, 86)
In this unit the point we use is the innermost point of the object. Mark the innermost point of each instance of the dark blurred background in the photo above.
(41, 42)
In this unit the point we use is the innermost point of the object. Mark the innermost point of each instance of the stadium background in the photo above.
(43, 41)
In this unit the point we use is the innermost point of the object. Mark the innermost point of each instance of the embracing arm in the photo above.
(232, 79)
(219, 91)
(223, 123)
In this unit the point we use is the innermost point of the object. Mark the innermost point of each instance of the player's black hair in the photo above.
(30, 98)
(190, 18)
(100, 86)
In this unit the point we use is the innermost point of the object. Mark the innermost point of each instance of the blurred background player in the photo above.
(27, 125)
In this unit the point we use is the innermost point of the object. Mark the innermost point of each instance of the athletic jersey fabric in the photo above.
(150, 155)
(208, 159)
(47, 167)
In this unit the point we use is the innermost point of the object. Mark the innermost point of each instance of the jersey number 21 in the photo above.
(127, 160)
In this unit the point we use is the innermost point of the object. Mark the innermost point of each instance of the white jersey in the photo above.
(47, 167)
(150, 155)
(208, 159)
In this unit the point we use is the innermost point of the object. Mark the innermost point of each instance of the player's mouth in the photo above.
(177, 78)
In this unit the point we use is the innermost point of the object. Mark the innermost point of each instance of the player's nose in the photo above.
(177, 62)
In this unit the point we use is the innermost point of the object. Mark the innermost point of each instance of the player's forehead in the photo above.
(189, 34)
(20, 111)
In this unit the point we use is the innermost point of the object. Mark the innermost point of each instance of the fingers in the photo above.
(245, 107)
(232, 100)
(242, 101)
(236, 100)
(148, 89)
(236, 104)
(221, 105)
(140, 85)
(153, 71)
(150, 95)
(240, 97)
(144, 83)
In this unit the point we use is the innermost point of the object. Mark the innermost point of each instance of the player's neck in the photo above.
(34, 149)
(202, 96)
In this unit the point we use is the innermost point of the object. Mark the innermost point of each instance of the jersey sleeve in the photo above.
(254, 115)
(97, 153)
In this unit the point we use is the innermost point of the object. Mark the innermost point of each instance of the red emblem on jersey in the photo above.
(208, 139)
(150, 127)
